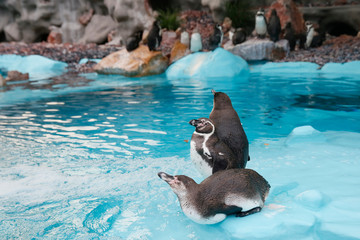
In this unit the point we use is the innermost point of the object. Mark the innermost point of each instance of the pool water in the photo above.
(81, 162)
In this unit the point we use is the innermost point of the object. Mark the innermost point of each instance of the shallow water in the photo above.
(81, 162)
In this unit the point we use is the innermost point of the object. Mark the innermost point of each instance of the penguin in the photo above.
(235, 191)
(132, 42)
(239, 36)
(185, 39)
(260, 24)
(290, 36)
(216, 38)
(154, 37)
(310, 31)
(229, 128)
(195, 42)
(207, 152)
(274, 26)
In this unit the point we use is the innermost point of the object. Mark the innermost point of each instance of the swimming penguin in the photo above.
(260, 24)
(235, 191)
(132, 42)
(207, 152)
(310, 31)
(154, 37)
(239, 36)
(274, 26)
(290, 36)
(195, 42)
(216, 38)
(229, 128)
(185, 39)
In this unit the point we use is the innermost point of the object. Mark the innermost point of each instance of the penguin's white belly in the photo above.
(202, 166)
(184, 38)
(195, 42)
(193, 214)
(260, 26)
(309, 38)
(245, 203)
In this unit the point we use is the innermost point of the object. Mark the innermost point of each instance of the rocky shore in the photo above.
(339, 49)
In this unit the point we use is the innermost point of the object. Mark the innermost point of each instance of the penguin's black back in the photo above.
(290, 36)
(215, 39)
(154, 37)
(239, 36)
(133, 41)
(229, 127)
(274, 26)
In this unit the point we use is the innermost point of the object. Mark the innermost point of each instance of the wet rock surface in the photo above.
(69, 53)
(339, 50)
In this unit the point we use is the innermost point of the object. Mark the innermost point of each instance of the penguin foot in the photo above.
(251, 211)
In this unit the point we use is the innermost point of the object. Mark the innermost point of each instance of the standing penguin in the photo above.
(195, 42)
(184, 38)
(290, 36)
(309, 34)
(154, 37)
(274, 26)
(260, 24)
(132, 42)
(235, 191)
(216, 38)
(208, 153)
(239, 36)
(229, 128)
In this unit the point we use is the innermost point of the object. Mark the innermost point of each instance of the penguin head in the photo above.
(203, 125)
(180, 184)
(221, 100)
(308, 25)
(261, 12)
(273, 12)
(218, 26)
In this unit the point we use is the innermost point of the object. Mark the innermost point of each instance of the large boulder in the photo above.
(215, 64)
(260, 49)
(138, 63)
(288, 12)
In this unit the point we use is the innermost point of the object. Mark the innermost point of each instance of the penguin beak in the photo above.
(166, 177)
(213, 91)
(194, 122)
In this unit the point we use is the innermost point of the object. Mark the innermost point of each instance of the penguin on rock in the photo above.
(132, 42)
(216, 38)
(154, 38)
(260, 24)
(274, 26)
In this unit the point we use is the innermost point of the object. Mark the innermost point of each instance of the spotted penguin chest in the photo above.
(201, 157)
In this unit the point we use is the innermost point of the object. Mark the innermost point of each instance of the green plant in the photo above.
(168, 19)
(239, 12)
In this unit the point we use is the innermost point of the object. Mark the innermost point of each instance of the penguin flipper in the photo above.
(219, 164)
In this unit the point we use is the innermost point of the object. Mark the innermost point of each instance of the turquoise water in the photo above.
(81, 162)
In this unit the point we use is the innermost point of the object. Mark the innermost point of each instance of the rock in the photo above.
(140, 62)
(86, 17)
(215, 64)
(98, 28)
(179, 50)
(260, 49)
(16, 76)
(2, 81)
(55, 37)
(288, 12)
(281, 49)
(167, 43)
